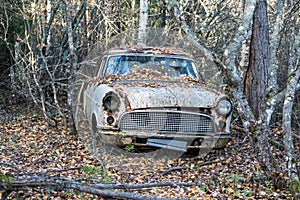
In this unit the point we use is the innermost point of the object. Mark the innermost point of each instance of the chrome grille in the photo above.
(166, 121)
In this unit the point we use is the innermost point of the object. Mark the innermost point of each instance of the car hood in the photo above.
(147, 95)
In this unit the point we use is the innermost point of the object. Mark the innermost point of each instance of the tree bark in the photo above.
(287, 125)
(233, 76)
(73, 66)
(293, 79)
(142, 36)
(272, 90)
(48, 34)
(255, 83)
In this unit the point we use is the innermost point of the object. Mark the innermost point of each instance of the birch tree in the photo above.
(293, 80)
(72, 63)
(143, 22)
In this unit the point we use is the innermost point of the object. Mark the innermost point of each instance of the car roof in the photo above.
(147, 50)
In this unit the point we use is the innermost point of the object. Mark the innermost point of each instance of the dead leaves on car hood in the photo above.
(150, 78)
(149, 88)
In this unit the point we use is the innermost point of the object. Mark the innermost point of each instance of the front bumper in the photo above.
(180, 141)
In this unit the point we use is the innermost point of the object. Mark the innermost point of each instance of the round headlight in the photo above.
(111, 101)
(224, 107)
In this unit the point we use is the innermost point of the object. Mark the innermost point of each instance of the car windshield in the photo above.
(169, 66)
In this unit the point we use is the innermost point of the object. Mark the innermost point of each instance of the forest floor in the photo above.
(29, 147)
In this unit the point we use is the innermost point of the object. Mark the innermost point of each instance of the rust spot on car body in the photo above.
(159, 95)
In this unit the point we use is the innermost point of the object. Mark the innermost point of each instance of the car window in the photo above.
(101, 65)
(170, 66)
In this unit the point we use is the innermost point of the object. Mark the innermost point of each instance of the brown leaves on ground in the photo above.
(29, 147)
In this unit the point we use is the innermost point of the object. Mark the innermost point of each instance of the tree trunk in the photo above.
(48, 34)
(230, 69)
(73, 66)
(287, 130)
(143, 22)
(255, 82)
(272, 89)
(293, 79)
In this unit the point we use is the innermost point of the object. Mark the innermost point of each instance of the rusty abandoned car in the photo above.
(154, 97)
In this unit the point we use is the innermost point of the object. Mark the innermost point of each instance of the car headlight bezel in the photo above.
(111, 101)
(224, 107)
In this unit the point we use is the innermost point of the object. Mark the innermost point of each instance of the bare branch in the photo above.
(229, 66)
(104, 190)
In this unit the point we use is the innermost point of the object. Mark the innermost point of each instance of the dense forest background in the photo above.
(250, 49)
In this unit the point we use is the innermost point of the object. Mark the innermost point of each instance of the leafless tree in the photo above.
(57, 36)
(256, 119)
